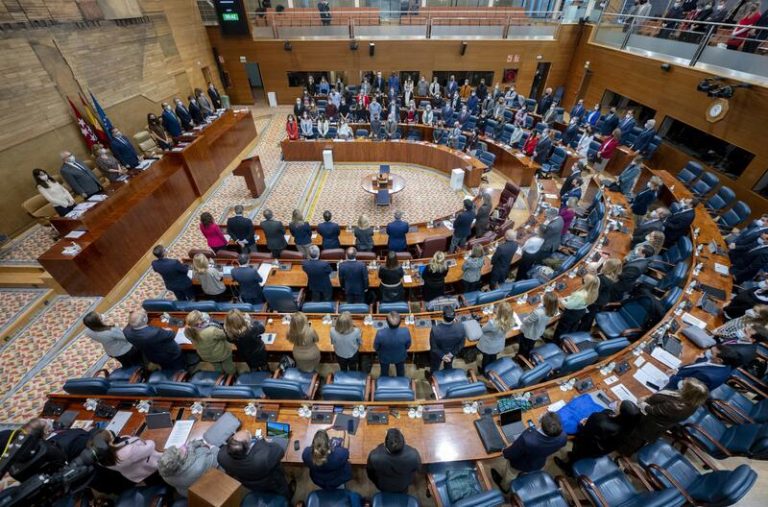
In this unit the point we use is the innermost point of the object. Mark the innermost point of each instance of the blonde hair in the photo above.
(299, 332)
(693, 392)
(592, 288)
(477, 251)
(321, 448)
(193, 321)
(551, 302)
(437, 264)
(656, 240)
(655, 182)
(761, 315)
(362, 222)
(344, 323)
(236, 323)
(200, 263)
(612, 269)
(505, 317)
(297, 217)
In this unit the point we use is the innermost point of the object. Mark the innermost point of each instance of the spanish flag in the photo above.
(90, 117)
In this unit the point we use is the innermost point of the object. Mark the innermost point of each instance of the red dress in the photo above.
(608, 148)
(213, 236)
(530, 145)
(741, 32)
(292, 129)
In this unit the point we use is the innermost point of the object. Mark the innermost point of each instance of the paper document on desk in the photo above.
(407, 278)
(181, 338)
(75, 234)
(448, 225)
(550, 196)
(650, 374)
(721, 269)
(623, 393)
(665, 357)
(690, 319)
(119, 421)
(268, 338)
(179, 434)
(518, 321)
(227, 270)
(144, 164)
(264, 271)
(97, 198)
(556, 406)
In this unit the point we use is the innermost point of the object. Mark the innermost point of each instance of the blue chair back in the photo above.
(721, 199)
(579, 360)
(203, 306)
(466, 390)
(88, 386)
(226, 307)
(690, 172)
(538, 489)
(236, 392)
(490, 127)
(361, 133)
(252, 378)
(393, 389)
(131, 390)
(671, 297)
(280, 299)
(706, 183)
(523, 286)
(487, 158)
(342, 392)
(613, 485)
(394, 306)
(535, 375)
(280, 389)
(489, 297)
(177, 389)
(334, 498)
(736, 215)
(530, 105)
(318, 307)
(506, 373)
(158, 305)
(609, 347)
(354, 308)
(254, 499)
(394, 500)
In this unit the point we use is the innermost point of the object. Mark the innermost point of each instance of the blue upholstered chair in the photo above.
(346, 386)
(159, 305)
(86, 386)
(455, 383)
(705, 184)
(355, 308)
(720, 199)
(319, 307)
(292, 385)
(281, 298)
(334, 498)
(394, 500)
(691, 172)
(394, 306)
(538, 489)
(735, 216)
(438, 474)
(733, 405)
(144, 495)
(255, 499)
(627, 322)
(139, 389)
(721, 441)
(394, 389)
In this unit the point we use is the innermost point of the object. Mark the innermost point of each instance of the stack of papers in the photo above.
(690, 319)
(75, 234)
(448, 225)
(144, 164)
(97, 198)
(665, 357)
(623, 393)
(181, 338)
(721, 269)
(264, 271)
(649, 374)
(118, 421)
(179, 434)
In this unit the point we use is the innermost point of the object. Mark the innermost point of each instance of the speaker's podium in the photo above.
(216, 489)
(251, 170)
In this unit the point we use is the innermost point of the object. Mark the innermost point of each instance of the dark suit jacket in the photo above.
(302, 233)
(124, 151)
(568, 183)
(642, 201)
(662, 411)
(553, 235)
(249, 281)
(678, 224)
(213, 93)
(157, 345)
(626, 126)
(318, 275)
(545, 102)
(196, 113)
(396, 230)
(541, 152)
(609, 124)
(393, 473)
(578, 111)
(629, 274)
(330, 232)
(240, 228)
(645, 228)
(171, 123)
(755, 260)
(462, 226)
(529, 452)
(260, 470)
(712, 375)
(353, 277)
(275, 233)
(80, 178)
(482, 219)
(392, 344)
(174, 273)
(643, 139)
(446, 338)
(502, 259)
(185, 117)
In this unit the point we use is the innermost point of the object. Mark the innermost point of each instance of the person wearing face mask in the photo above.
(696, 31)
(628, 177)
(194, 110)
(634, 267)
(54, 192)
(109, 166)
(752, 261)
(669, 27)
(210, 341)
(712, 368)
(183, 114)
(113, 340)
(679, 223)
(78, 176)
(593, 116)
(610, 122)
(627, 123)
(123, 149)
(746, 300)
(643, 140)
(171, 122)
(205, 106)
(213, 93)
(719, 14)
(158, 134)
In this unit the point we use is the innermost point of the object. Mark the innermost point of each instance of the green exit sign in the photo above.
(230, 16)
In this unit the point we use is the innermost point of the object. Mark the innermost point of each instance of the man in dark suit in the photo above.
(318, 276)
(543, 147)
(379, 84)
(569, 181)
(578, 111)
(157, 344)
(329, 231)
(123, 150)
(396, 231)
(394, 83)
(256, 463)
(175, 275)
(545, 102)
(353, 277)
(712, 368)
(393, 464)
(610, 122)
(462, 226)
(502, 259)
(552, 232)
(755, 260)
(213, 93)
(183, 113)
(171, 122)
(194, 110)
(668, 27)
(644, 138)
(593, 116)
(679, 223)
(529, 451)
(248, 281)
(571, 133)
(627, 123)
(632, 270)
(446, 339)
(240, 229)
(274, 232)
(655, 222)
(78, 176)
(391, 344)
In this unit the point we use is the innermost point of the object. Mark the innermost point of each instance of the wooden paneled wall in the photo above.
(673, 93)
(422, 56)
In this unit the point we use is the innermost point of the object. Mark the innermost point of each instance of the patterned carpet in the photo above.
(27, 247)
(38, 359)
(14, 302)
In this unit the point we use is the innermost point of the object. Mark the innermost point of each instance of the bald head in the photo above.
(351, 253)
(138, 318)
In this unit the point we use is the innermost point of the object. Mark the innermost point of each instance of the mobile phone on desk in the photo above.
(296, 445)
(530, 424)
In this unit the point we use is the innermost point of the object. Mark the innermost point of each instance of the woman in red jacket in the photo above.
(607, 149)
(530, 144)
(292, 128)
(745, 24)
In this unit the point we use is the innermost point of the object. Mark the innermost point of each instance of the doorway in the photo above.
(539, 79)
(255, 82)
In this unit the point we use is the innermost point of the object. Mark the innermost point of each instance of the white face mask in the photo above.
(750, 313)
(760, 222)
(760, 241)
(71, 158)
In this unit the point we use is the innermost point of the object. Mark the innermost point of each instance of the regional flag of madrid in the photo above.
(85, 129)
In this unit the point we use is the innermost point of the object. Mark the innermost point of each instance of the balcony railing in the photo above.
(726, 49)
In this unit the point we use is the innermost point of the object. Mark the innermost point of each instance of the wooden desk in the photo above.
(123, 227)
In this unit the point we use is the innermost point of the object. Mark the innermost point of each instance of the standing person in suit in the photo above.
(318, 276)
(213, 93)
(545, 102)
(552, 232)
(175, 275)
(363, 235)
(194, 110)
(240, 229)
(655, 222)
(501, 260)
(494, 337)
(123, 149)
(112, 339)
(183, 114)
(157, 344)
(531, 253)
(483, 215)
(669, 27)
(607, 149)
(593, 116)
(396, 232)
(571, 133)
(392, 466)
(754, 260)
(535, 323)
(274, 232)
(379, 84)
(394, 83)
(610, 122)
(544, 146)
(353, 277)
(301, 231)
(529, 452)
(627, 123)
(329, 231)
(712, 368)
(628, 177)
(462, 225)
(257, 463)
(171, 122)
(78, 176)
(575, 306)
(391, 279)
(632, 270)
(679, 223)
(248, 281)
(446, 339)
(643, 140)
(391, 344)
(645, 198)
(578, 111)
(205, 105)
(54, 192)
(109, 165)
(434, 277)
(568, 183)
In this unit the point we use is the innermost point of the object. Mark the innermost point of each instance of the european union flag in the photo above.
(105, 123)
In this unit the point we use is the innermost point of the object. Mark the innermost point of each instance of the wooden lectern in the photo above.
(251, 170)
(216, 489)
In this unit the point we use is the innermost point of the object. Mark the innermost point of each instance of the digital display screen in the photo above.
(232, 18)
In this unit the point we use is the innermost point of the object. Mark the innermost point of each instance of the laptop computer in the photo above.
(278, 429)
(512, 423)
(158, 420)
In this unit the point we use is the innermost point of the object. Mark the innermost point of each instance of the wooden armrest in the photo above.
(672, 480)
(570, 494)
(709, 437)
(629, 467)
(587, 485)
(525, 361)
